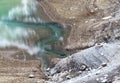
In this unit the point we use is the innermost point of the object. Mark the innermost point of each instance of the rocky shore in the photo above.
(95, 29)
(93, 22)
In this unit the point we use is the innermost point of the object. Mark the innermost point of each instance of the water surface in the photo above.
(24, 24)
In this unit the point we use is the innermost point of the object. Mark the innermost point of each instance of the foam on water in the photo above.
(30, 49)
(26, 12)
(14, 33)
(13, 36)
(10, 36)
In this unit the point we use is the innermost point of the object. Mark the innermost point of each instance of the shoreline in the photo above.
(53, 15)
(48, 9)
(66, 23)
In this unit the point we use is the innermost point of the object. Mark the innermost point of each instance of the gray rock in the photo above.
(91, 59)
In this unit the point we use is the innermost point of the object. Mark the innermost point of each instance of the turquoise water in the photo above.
(19, 21)
(6, 5)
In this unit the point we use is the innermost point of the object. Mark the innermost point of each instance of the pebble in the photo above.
(31, 76)
(48, 69)
(68, 77)
(104, 64)
(34, 70)
(83, 67)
